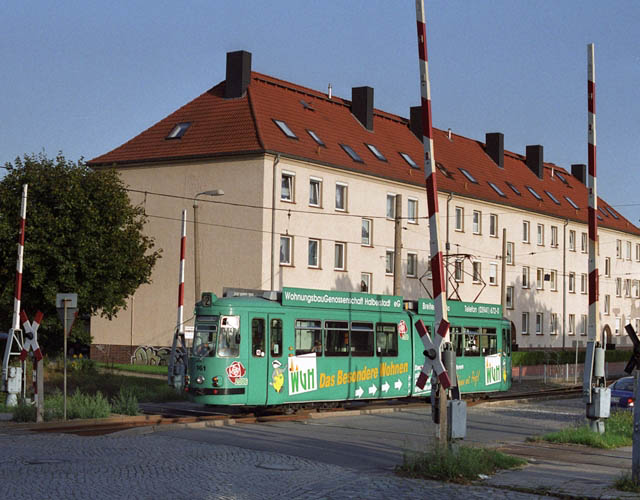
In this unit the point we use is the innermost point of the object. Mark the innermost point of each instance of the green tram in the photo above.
(303, 346)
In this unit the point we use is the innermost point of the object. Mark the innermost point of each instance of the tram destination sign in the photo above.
(341, 300)
(426, 306)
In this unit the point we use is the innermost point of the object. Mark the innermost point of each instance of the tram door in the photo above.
(275, 383)
(258, 361)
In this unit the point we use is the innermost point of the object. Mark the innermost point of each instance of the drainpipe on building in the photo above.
(447, 246)
(276, 160)
(564, 285)
(397, 247)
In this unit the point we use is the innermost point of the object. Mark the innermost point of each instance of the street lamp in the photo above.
(212, 192)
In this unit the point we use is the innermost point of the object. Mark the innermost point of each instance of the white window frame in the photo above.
(389, 262)
(511, 253)
(526, 274)
(554, 236)
(292, 186)
(628, 250)
(617, 325)
(458, 272)
(572, 240)
(493, 225)
(476, 271)
(637, 252)
(366, 278)
(526, 231)
(571, 324)
(476, 222)
(607, 267)
(524, 323)
(317, 263)
(539, 323)
(618, 249)
(553, 323)
(412, 219)
(390, 209)
(315, 181)
(572, 282)
(627, 287)
(493, 273)
(459, 219)
(369, 241)
(583, 324)
(540, 235)
(289, 246)
(584, 283)
(340, 266)
(412, 257)
(584, 243)
(539, 278)
(345, 197)
(553, 280)
(509, 297)
(618, 287)
(636, 288)
(607, 304)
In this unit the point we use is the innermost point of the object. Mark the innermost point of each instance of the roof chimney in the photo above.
(494, 147)
(238, 73)
(535, 160)
(362, 105)
(579, 171)
(415, 121)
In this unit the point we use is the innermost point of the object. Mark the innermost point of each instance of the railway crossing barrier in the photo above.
(31, 343)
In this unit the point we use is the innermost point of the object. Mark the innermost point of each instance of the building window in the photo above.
(572, 241)
(459, 271)
(627, 287)
(459, 219)
(554, 236)
(341, 197)
(525, 231)
(584, 246)
(389, 262)
(628, 250)
(636, 288)
(477, 222)
(510, 253)
(288, 183)
(525, 276)
(509, 298)
(583, 283)
(607, 267)
(366, 232)
(607, 304)
(619, 249)
(583, 324)
(541, 234)
(638, 252)
(314, 253)
(365, 282)
(572, 282)
(553, 325)
(493, 225)
(572, 324)
(618, 287)
(477, 272)
(315, 192)
(493, 273)
(412, 265)
(618, 323)
(553, 280)
(412, 211)
(539, 323)
(340, 256)
(525, 323)
(286, 242)
(391, 206)
(540, 279)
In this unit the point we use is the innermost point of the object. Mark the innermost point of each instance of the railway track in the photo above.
(157, 415)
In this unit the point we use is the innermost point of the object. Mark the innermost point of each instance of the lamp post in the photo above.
(212, 192)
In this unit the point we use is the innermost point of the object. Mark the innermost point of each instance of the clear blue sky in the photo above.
(84, 76)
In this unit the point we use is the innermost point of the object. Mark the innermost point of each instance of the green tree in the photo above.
(82, 235)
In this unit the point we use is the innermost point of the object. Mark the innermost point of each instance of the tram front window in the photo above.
(229, 338)
(205, 337)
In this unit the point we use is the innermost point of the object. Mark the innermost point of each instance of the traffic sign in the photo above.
(634, 362)
(432, 358)
(31, 335)
(71, 301)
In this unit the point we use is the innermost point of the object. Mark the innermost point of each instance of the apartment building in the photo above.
(310, 182)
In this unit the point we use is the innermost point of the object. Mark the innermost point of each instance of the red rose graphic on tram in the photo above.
(235, 371)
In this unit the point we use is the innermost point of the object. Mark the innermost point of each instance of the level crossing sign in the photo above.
(31, 335)
(634, 362)
(432, 356)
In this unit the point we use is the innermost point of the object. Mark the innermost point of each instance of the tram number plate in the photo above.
(201, 368)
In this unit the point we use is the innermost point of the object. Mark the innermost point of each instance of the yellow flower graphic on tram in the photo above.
(277, 377)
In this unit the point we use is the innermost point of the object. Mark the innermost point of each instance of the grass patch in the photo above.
(79, 405)
(625, 483)
(618, 432)
(154, 369)
(461, 465)
(125, 402)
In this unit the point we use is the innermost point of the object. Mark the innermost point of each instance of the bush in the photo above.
(530, 358)
(24, 412)
(125, 402)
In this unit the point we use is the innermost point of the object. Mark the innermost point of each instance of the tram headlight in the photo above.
(200, 379)
(216, 381)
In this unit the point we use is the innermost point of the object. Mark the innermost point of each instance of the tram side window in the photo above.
(276, 338)
(229, 338)
(471, 342)
(308, 336)
(457, 339)
(387, 339)
(506, 343)
(361, 339)
(337, 338)
(257, 337)
(488, 342)
(204, 340)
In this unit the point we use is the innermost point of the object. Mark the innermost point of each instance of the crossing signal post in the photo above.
(67, 306)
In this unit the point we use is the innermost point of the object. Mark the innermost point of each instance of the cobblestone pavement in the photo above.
(57, 466)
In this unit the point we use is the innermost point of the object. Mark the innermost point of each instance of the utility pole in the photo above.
(397, 248)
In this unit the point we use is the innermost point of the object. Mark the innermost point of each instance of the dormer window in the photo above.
(409, 160)
(571, 202)
(533, 192)
(178, 131)
(553, 198)
(376, 152)
(350, 151)
(497, 189)
(470, 177)
(316, 138)
(513, 188)
(285, 129)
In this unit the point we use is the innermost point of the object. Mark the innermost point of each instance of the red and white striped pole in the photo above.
(183, 249)
(18, 287)
(593, 331)
(437, 264)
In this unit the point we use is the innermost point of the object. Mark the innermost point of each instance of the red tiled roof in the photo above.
(221, 127)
